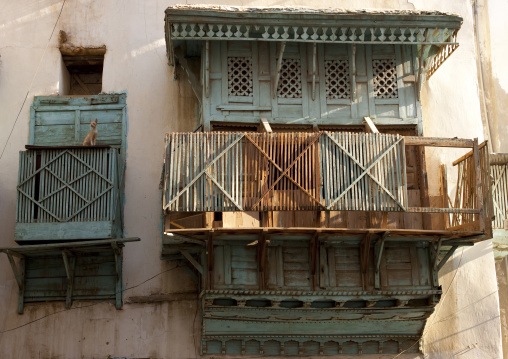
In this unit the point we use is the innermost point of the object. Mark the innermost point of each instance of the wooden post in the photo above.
(70, 264)
(262, 258)
(479, 189)
(209, 251)
(21, 297)
(277, 73)
(444, 193)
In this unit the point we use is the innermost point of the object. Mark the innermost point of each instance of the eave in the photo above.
(435, 33)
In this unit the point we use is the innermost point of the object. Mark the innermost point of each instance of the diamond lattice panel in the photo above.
(337, 79)
(290, 82)
(239, 76)
(385, 78)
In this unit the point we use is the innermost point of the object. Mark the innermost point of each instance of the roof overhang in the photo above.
(434, 32)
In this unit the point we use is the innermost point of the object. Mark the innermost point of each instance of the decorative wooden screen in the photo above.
(281, 171)
(203, 172)
(240, 76)
(385, 78)
(284, 171)
(337, 79)
(363, 172)
(68, 186)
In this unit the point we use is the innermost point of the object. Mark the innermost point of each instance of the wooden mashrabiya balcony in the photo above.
(68, 193)
(331, 172)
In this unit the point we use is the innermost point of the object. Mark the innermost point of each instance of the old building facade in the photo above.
(267, 180)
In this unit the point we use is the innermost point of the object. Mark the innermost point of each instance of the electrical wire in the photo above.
(32, 82)
(438, 309)
(90, 305)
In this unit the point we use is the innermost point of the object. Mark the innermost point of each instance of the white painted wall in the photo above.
(135, 62)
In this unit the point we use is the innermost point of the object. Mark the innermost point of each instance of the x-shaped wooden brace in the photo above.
(499, 211)
(205, 172)
(366, 171)
(65, 185)
(285, 172)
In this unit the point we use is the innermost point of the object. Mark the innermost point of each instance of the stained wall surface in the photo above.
(467, 321)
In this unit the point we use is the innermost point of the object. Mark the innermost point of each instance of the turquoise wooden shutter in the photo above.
(65, 121)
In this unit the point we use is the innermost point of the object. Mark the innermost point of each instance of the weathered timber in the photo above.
(69, 271)
(86, 179)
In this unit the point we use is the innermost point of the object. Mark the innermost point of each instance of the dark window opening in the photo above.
(84, 69)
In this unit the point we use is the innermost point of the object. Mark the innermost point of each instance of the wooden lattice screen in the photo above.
(67, 186)
(284, 171)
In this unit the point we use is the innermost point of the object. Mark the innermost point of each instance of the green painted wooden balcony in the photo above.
(68, 193)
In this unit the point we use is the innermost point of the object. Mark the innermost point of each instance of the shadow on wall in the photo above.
(502, 117)
(470, 254)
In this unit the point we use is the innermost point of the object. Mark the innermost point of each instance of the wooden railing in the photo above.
(499, 174)
(284, 171)
(68, 193)
(331, 171)
(473, 189)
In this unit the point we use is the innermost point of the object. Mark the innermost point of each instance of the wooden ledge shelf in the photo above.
(68, 271)
(306, 233)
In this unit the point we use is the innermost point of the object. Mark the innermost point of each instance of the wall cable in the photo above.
(31, 83)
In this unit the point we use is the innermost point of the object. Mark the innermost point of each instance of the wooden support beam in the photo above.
(446, 257)
(183, 239)
(436, 250)
(378, 252)
(479, 185)
(469, 154)
(82, 84)
(364, 258)
(277, 72)
(262, 247)
(192, 261)
(438, 142)
(444, 193)
(19, 273)
(265, 125)
(15, 270)
(21, 295)
(176, 225)
(119, 284)
(314, 61)
(442, 210)
(192, 71)
(207, 68)
(370, 127)
(70, 265)
(65, 257)
(314, 248)
(209, 251)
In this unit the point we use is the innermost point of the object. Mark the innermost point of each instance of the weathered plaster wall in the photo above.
(135, 62)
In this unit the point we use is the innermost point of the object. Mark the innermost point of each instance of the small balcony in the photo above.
(324, 179)
(68, 193)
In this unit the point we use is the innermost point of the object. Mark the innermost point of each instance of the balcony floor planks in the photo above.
(307, 232)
